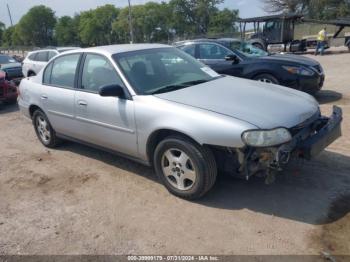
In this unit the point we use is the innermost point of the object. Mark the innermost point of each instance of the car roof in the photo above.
(115, 49)
(54, 49)
(215, 40)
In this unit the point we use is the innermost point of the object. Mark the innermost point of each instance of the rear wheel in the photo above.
(31, 73)
(44, 130)
(186, 169)
(267, 78)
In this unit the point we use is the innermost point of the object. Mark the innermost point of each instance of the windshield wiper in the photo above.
(195, 82)
(169, 88)
(178, 86)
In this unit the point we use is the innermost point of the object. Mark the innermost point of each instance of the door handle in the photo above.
(44, 97)
(82, 103)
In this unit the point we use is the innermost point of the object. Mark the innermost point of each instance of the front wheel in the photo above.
(267, 78)
(186, 169)
(44, 130)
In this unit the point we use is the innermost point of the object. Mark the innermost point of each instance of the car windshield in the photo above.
(162, 70)
(248, 49)
(4, 59)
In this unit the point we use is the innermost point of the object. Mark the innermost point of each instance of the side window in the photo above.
(51, 55)
(98, 72)
(213, 51)
(189, 49)
(63, 70)
(42, 56)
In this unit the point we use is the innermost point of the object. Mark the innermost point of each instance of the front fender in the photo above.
(203, 126)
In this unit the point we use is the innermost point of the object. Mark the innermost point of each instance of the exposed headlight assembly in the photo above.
(299, 70)
(266, 138)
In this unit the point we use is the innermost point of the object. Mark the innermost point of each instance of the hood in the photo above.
(263, 105)
(288, 58)
(10, 65)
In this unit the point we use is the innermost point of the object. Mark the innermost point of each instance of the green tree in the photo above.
(95, 26)
(193, 16)
(223, 22)
(150, 23)
(7, 36)
(2, 29)
(36, 27)
(318, 9)
(66, 31)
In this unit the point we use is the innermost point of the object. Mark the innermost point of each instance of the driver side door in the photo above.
(214, 55)
(104, 121)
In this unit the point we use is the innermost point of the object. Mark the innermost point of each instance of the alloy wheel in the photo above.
(43, 129)
(265, 80)
(178, 169)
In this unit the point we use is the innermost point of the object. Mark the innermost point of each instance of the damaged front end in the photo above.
(306, 141)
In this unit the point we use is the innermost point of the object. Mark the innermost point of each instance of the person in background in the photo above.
(321, 41)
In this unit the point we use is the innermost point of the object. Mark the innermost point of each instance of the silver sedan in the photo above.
(159, 106)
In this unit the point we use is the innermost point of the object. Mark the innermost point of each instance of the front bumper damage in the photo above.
(309, 139)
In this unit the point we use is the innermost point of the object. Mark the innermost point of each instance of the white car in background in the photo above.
(36, 60)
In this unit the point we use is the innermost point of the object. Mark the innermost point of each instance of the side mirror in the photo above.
(232, 58)
(111, 90)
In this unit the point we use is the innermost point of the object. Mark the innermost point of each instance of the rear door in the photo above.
(41, 60)
(58, 92)
(105, 121)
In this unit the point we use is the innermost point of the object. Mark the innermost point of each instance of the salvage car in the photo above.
(8, 90)
(238, 58)
(11, 67)
(159, 106)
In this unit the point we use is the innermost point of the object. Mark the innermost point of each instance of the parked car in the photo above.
(36, 60)
(159, 106)
(11, 67)
(237, 58)
(8, 90)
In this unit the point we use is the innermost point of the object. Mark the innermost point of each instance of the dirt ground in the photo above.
(78, 200)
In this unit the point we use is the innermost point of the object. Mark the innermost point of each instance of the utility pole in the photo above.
(8, 9)
(130, 25)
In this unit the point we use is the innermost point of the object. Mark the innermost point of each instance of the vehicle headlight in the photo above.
(299, 70)
(266, 138)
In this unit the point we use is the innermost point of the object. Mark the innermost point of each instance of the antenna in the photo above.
(8, 9)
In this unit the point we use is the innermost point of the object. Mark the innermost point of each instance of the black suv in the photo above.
(237, 58)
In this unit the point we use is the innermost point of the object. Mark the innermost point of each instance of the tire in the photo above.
(30, 73)
(44, 130)
(192, 167)
(266, 78)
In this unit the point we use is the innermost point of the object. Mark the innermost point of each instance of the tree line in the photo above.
(152, 22)
(316, 9)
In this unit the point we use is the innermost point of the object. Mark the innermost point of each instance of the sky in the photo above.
(248, 8)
